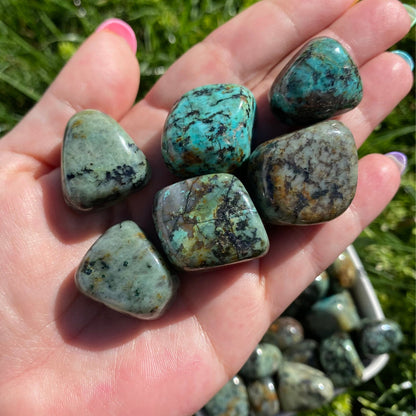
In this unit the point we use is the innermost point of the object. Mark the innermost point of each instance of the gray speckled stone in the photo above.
(382, 337)
(125, 272)
(284, 332)
(305, 177)
(208, 221)
(231, 400)
(340, 360)
(100, 162)
(263, 361)
(302, 387)
(332, 314)
(263, 398)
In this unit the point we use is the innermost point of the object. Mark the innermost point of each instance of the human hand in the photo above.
(65, 354)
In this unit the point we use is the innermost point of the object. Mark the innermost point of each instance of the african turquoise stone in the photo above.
(332, 314)
(125, 272)
(302, 387)
(343, 273)
(263, 361)
(208, 221)
(340, 360)
(321, 81)
(305, 352)
(284, 332)
(305, 177)
(262, 396)
(209, 130)
(100, 162)
(382, 337)
(231, 400)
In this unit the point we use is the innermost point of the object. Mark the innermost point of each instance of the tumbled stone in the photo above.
(320, 81)
(208, 221)
(340, 360)
(305, 352)
(209, 130)
(231, 400)
(100, 162)
(315, 291)
(381, 337)
(303, 388)
(284, 332)
(332, 314)
(263, 398)
(305, 177)
(263, 361)
(343, 273)
(125, 272)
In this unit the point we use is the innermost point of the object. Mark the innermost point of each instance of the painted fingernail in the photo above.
(406, 57)
(120, 28)
(412, 13)
(400, 159)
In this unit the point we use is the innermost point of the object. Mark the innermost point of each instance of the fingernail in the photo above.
(412, 13)
(400, 159)
(406, 57)
(120, 28)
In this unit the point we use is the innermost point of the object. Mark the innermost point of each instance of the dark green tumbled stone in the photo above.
(264, 361)
(305, 352)
(100, 162)
(340, 360)
(321, 81)
(125, 272)
(231, 400)
(382, 337)
(209, 130)
(332, 314)
(305, 177)
(208, 221)
(284, 332)
(263, 398)
(302, 387)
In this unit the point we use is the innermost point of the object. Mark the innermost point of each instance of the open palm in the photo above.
(64, 354)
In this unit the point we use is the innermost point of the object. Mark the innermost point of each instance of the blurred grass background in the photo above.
(37, 38)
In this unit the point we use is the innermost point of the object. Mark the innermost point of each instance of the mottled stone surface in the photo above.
(315, 291)
(305, 177)
(343, 273)
(340, 360)
(382, 337)
(263, 398)
(100, 162)
(208, 221)
(263, 361)
(231, 400)
(209, 130)
(332, 314)
(320, 82)
(305, 352)
(125, 272)
(303, 388)
(284, 332)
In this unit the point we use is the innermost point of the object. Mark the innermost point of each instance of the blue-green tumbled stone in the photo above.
(231, 400)
(321, 81)
(305, 177)
(332, 314)
(208, 221)
(100, 162)
(340, 360)
(209, 130)
(262, 396)
(302, 387)
(382, 337)
(125, 272)
(263, 361)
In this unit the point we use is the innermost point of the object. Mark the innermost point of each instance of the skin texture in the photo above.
(65, 354)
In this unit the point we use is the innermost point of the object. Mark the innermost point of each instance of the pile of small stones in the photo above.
(319, 345)
(210, 218)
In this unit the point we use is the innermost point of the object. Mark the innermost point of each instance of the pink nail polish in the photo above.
(120, 28)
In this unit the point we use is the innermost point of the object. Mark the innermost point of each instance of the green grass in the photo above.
(37, 40)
